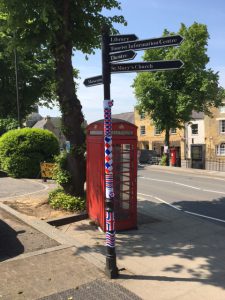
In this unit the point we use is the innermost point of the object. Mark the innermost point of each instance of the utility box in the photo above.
(124, 149)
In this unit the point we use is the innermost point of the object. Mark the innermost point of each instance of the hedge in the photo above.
(22, 150)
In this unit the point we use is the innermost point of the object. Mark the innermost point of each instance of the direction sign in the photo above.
(93, 81)
(165, 41)
(122, 38)
(126, 55)
(146, 66)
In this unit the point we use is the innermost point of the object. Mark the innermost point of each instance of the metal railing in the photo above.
(207, 164)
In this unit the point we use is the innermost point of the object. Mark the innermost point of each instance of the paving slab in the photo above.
(170, 256)
(16, 237)
(41, 275)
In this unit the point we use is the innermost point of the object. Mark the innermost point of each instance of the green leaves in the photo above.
(58, 199)
(22, 150)
(7, 124)
(171, 96)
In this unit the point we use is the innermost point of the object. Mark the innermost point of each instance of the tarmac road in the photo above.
(189, 191)
(10, 187)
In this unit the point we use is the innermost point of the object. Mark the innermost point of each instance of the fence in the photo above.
(208, 164)
(215, 165)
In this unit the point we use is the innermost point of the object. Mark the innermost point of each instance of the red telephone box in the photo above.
(173, 157)
(124, 138)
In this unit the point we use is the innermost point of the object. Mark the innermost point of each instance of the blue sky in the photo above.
(148, 19)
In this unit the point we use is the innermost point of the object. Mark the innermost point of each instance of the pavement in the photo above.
(171, 255)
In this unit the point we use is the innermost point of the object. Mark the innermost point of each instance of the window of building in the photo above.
(157, 130)
(194, 128)
(173, 131)
(221, 149)
(142, 130)
(222, 126)
(222, 109)
(142, 115)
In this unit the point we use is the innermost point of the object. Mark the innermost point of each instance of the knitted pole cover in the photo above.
(110, 220)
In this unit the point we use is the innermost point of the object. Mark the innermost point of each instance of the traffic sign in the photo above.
(93, 81)
(165, 41)
(122, 38)
(126, 55)
(146, 66)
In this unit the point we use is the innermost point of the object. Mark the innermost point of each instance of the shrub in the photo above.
(22, 150)
(7, 124)
(163, 160)
(58, 199)
(60, 174)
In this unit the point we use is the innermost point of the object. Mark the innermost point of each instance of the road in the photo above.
(10, 187)
(191, 192)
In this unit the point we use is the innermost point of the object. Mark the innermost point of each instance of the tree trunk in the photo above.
(167, 143)
(70, 106)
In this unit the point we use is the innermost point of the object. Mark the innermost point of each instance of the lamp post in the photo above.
(17, 89)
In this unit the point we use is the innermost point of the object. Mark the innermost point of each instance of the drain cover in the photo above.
(95, 290)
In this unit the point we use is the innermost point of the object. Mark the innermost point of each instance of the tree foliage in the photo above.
(7, 124)
(61, 27)
(35, 76)
(170, 96)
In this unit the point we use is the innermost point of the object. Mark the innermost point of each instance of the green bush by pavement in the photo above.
(58, 199)
(22, 150)
(60, 174)
(163, 160)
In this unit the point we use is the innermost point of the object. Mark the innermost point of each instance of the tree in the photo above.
(35, 77)
(7, 124)
(61, 27)
(169, 97)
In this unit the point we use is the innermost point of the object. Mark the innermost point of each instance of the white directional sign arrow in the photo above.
(165, 41)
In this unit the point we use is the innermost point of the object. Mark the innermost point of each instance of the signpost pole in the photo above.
(111, 267)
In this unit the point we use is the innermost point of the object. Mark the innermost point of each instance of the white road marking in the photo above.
(213, 173)
(160, 200)
(203, 216)
(182, 184)
(185, 211)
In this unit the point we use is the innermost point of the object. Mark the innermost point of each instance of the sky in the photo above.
(147, 19)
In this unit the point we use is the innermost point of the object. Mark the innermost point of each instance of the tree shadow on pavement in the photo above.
(212, 208)
(182, 246)
(10, 246)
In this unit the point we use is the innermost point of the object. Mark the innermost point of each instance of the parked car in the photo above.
(149, 157)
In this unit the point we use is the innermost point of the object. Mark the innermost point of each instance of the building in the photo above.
(194, 142)
(152, 138)
(215, 138)
(32, 119)
(127, 116)
(52, 124)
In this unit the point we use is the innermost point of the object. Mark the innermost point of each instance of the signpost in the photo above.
(137, 67)
(166, 41)
(126, 55)
(146, 66)
(122, 38)
(117, 48)
(93, 81)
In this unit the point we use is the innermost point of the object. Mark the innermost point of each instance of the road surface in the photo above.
(10, 187)
(191, 192)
